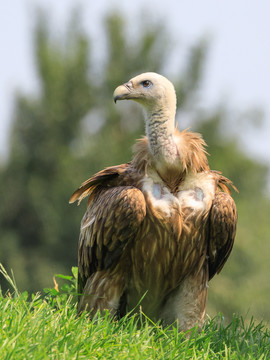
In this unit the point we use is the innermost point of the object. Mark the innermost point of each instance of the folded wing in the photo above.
(222, 229)
(112, 220)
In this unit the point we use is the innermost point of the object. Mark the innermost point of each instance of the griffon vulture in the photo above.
(159, 227)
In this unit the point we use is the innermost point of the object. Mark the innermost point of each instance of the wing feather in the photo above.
(88, 187)
(222, 229)
(111, 221)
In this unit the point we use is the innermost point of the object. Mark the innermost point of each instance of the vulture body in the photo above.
(157, 228)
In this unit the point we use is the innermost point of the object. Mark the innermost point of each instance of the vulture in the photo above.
(159, 227)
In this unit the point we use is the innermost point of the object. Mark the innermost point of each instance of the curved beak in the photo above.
(123, 92)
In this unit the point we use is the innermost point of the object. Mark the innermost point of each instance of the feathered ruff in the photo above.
(191, 150)
(193, 157)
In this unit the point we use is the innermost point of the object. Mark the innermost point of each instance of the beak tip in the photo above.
(121, 93)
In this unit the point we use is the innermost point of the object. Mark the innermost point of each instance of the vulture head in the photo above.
(157, 96)
(153, 91)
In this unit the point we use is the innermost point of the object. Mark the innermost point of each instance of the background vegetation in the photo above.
(70, 129)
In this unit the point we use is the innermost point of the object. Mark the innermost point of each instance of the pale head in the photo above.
(151, 90)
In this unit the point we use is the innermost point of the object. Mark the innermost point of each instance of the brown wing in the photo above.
(102, 178)
(110, 222)
(222, 229)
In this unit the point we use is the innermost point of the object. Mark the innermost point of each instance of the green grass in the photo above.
(47, 327)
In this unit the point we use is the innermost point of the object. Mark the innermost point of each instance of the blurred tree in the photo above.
(71, 129)
(37, 233)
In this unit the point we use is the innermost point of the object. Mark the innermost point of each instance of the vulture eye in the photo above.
(146, 83)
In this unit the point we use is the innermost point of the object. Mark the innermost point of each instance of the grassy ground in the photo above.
(47, 327)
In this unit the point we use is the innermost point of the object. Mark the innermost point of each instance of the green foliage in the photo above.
(47, 327)
(71, 129)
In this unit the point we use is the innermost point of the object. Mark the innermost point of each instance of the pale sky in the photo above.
(237, 70)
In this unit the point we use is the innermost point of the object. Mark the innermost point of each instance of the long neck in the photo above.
(159, 130)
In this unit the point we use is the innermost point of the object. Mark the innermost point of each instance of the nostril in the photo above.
(128, 85)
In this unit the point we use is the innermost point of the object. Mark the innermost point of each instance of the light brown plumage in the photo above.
(159, 225)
